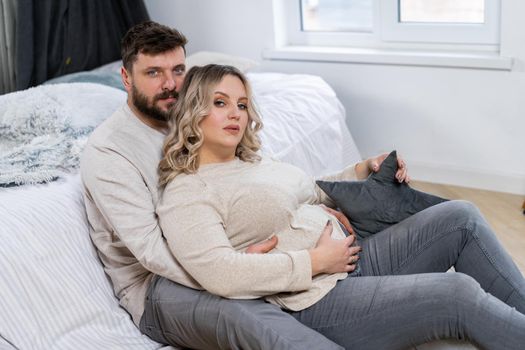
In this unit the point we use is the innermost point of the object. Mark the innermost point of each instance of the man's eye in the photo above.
(152, 73)
(243, 106)
(179, 70)
(219, 103)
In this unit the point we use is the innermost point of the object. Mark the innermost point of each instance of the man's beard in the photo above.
(151, 110)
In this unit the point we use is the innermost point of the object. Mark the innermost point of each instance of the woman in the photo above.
(220, 197)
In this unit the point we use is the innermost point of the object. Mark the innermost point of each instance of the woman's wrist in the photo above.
(362, 169)
(315, 261)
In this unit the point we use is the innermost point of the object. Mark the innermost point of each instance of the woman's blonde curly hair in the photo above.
(180, 151)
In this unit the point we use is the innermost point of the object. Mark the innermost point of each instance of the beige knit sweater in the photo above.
(211, 217)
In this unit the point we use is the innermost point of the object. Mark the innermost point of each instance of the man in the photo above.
(119, 174)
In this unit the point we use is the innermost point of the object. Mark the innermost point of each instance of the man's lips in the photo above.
(169, 97)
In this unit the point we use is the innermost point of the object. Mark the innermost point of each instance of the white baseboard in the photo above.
(453, 175)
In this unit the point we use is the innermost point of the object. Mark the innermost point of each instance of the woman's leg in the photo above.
(397, 312)
(449, 234)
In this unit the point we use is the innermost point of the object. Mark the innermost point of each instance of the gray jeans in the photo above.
(403, 298)
(180, 316)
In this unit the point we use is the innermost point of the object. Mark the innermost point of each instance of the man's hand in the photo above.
(373, 164)
(263, 247)
(340, 217)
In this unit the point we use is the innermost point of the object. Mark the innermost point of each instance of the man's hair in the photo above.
(149, 38)
(185, 137)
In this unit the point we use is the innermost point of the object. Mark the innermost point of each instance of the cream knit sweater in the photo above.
(211, 217)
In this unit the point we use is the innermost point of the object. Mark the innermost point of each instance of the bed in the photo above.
(54, 293)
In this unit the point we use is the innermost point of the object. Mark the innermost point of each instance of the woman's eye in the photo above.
(219, 103)
(242, 106)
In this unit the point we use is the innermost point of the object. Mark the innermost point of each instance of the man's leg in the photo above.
(449, 234)
(194, 319)
(398, 312)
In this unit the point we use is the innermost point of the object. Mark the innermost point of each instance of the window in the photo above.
(442, 11)
(393, 23)
(441, 21)
(337, 15)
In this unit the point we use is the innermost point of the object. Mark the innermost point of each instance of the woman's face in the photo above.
(224, 126)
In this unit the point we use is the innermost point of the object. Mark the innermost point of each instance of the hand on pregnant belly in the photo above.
(333, 255)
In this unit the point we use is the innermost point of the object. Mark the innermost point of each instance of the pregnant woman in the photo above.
(220, 196)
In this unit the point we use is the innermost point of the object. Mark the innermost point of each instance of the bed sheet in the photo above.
(55, 294)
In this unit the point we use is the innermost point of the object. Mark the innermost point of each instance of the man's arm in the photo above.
(121, 196)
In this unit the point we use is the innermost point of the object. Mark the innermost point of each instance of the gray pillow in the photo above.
(111, 79)
(379, 201)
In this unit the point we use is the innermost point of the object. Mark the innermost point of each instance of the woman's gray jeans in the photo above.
(403, 297)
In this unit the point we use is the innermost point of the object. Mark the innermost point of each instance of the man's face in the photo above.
(154, 82)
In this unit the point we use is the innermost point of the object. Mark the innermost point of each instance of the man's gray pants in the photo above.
(176, 315)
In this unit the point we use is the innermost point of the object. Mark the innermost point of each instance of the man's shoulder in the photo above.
(113, 130)
(114, 137)
(122, 144)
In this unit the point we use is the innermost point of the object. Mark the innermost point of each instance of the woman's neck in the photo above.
(207, 157)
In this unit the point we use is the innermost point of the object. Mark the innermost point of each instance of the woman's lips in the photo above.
(233, 129)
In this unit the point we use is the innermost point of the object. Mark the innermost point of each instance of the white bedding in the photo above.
(44, 129)
(54, 293)
(304, 122)
(53, 290)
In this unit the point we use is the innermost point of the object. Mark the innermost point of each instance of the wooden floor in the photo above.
(502, 210)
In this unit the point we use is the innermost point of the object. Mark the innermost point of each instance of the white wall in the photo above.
(457, 126)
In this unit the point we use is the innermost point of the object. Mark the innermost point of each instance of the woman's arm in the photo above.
(190, 217)
(360, 171)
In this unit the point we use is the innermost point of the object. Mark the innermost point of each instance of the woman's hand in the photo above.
(333, 255)
(373, 164)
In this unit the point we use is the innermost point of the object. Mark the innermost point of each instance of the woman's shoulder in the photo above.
(183, 183)
(272, 162)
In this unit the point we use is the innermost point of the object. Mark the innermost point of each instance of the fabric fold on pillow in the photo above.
(378, 202)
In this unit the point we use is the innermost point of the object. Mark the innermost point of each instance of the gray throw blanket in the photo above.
(43, 129)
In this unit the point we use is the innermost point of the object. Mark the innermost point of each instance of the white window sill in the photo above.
(483, 60)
